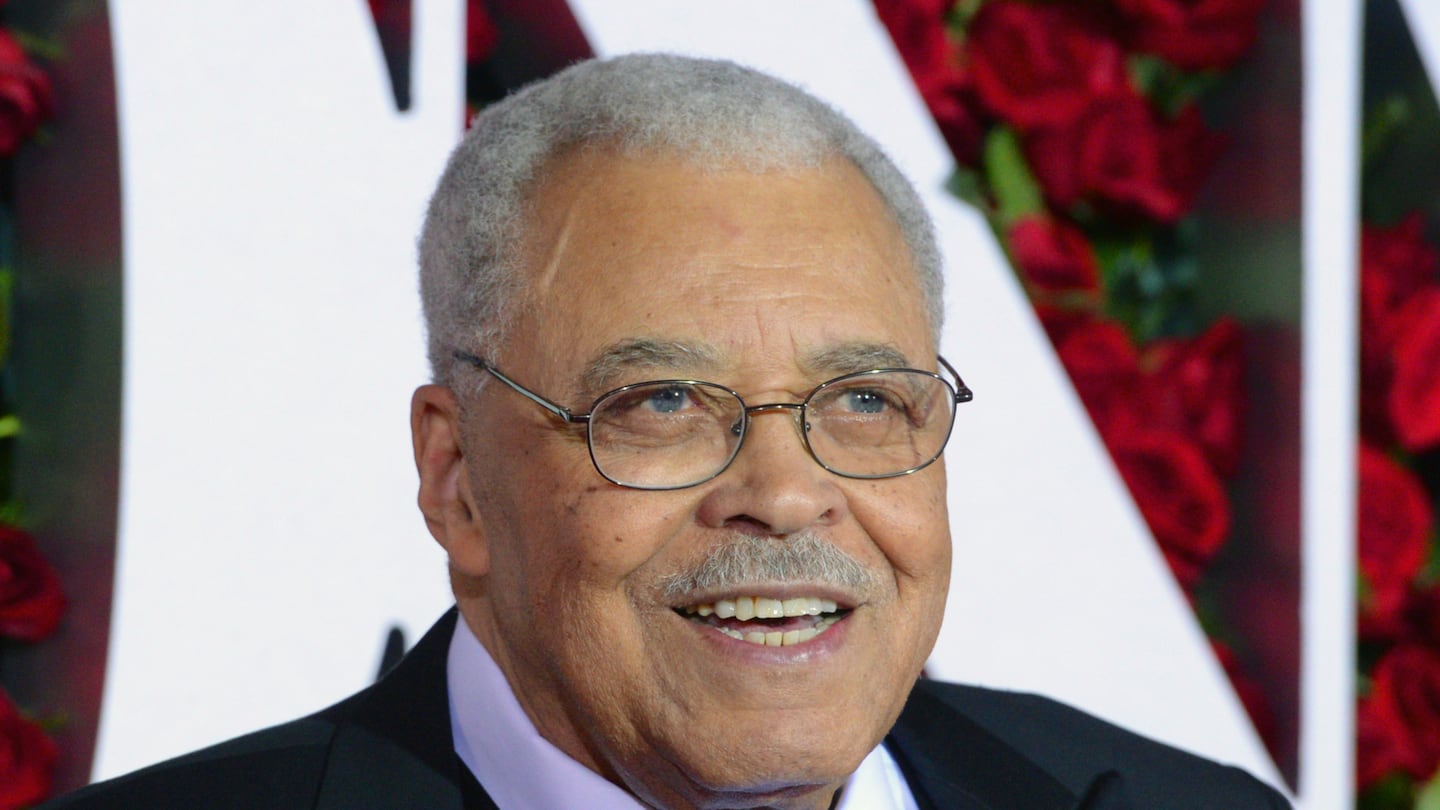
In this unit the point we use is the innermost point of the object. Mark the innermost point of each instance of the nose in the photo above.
(774, 486)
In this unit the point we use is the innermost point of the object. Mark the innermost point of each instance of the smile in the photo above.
(768, 622)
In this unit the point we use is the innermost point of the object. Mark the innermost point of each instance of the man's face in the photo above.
(769, 284)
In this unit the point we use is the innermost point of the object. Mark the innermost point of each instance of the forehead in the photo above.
(738, 263)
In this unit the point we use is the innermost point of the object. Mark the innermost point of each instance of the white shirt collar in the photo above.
(523, 771)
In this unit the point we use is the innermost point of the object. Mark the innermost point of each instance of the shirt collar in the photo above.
(522, 770)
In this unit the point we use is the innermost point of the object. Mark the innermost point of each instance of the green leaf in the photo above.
(1393, 792)
(1429, 798)
(960, 14)
(9, 426)
(1017, 194)
(1383, 121)
(968, 185)
(41, 46)
(7, 285)
(1169, 88)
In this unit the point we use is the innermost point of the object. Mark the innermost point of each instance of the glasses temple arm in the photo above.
(559, 410)
(962, 391)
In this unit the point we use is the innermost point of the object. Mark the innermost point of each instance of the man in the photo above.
(673, 592)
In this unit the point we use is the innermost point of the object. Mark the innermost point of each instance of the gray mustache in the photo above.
(749, 559)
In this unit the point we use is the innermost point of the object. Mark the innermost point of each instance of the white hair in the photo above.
(714, 113)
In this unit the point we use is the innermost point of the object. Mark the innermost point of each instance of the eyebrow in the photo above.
(851, 357)
(615, 361)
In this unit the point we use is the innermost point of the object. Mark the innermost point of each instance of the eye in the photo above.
(670, 399)
(864, 400)
(658, 400)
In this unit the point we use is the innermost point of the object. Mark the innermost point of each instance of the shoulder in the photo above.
(387, 746)
(279, 768)
(1075, 747)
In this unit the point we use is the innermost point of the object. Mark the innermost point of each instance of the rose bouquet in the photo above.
(1077, 133)
(1398, 715)
(31, 601)
(1076, 130)
(30, 606)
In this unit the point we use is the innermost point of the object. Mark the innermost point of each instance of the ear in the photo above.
(446, 499)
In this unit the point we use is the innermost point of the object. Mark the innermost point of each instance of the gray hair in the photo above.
(714, 113)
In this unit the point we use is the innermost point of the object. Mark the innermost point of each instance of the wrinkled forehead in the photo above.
(620, 246)
(618, 186)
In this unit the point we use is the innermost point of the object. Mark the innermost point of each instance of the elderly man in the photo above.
(680, 450)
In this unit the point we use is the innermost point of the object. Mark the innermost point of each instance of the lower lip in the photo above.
(821, 646)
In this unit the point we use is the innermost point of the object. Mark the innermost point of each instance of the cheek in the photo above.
(910, 525)
(595, 542)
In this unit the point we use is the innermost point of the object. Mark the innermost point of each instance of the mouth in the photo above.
(768, 622)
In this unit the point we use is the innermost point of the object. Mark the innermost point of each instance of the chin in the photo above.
(780, 796)
(771, 769)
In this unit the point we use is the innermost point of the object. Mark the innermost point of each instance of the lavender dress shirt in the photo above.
(523, 771)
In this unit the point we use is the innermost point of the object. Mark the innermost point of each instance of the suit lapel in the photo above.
(951, 763)
(392, 749)
(392, 746)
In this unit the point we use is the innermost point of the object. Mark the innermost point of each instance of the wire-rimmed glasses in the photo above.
(672, 434)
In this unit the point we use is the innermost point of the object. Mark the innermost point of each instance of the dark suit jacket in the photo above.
(961, 748)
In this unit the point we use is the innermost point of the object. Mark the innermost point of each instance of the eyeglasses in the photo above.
(672, 434)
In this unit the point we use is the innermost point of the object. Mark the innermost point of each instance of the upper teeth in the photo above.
(746, 608)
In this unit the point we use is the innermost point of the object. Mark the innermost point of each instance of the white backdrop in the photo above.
(268, 533)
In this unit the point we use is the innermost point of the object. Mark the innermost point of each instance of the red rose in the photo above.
(951, 99)
(1199, 390)
(480, 32)
(1040, 64)
(1396, 263)
(1121, 157)
(1059, 322)
(25, 95)
(1177, 492)
(1192, 34)
(1422, 616)
(30, 597)
(1414, 397)
(918, 28)
(1403, 718)
(27, 759)
(1105, 368)
(1188, 150)
(1053, 255)
(1395, 519)
(1377, 754)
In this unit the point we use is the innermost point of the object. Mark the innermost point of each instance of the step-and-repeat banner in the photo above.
(268, 539)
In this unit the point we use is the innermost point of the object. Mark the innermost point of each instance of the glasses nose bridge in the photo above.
(796, 410)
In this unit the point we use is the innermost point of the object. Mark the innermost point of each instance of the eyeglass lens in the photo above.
(675, 434)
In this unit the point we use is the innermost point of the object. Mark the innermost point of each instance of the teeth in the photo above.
(769, 608)
(801, 606)
(745, 608)
(777, 639)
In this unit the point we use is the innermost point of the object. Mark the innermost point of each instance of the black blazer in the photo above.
(960, 748)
